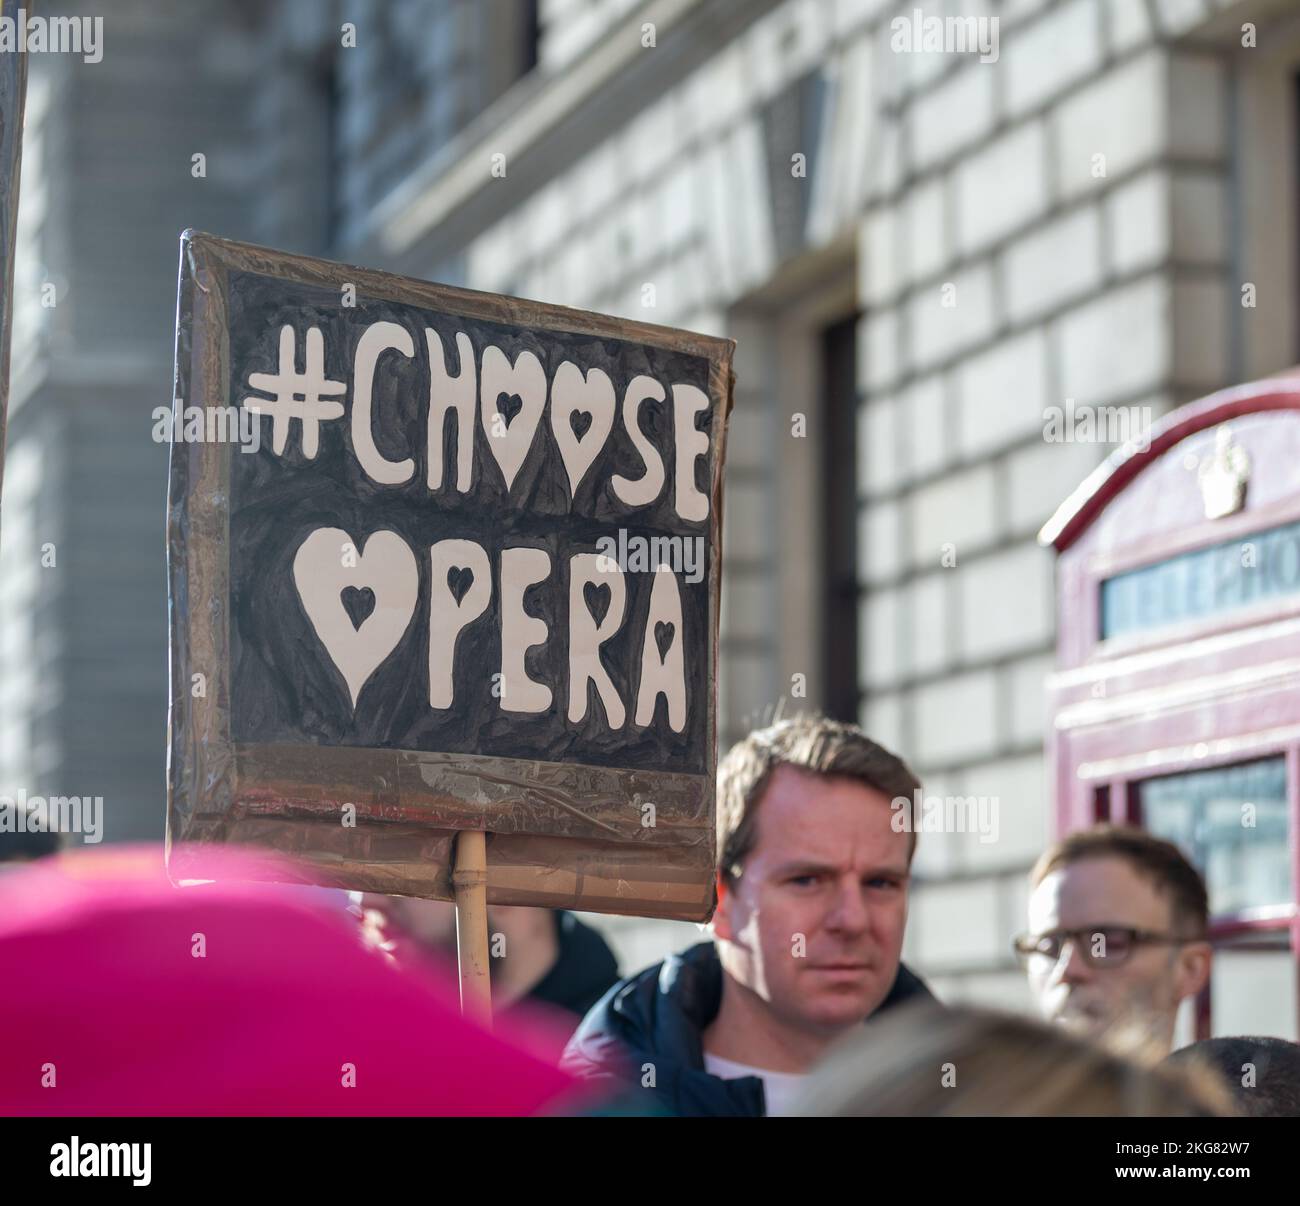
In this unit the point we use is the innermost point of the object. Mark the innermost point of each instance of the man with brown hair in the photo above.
(813, 873)
(1117, 935)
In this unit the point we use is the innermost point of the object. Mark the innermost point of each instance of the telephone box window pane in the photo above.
(1241, 850)
(1253, 992)
(1192, 586)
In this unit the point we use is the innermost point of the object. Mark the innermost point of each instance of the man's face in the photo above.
(1144, 990)
(814, 925)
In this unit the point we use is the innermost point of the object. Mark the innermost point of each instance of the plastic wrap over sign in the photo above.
(443, 560)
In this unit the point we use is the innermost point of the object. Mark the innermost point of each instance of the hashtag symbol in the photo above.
(297, 395)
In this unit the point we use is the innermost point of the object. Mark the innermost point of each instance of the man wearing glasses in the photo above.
(1117, 934)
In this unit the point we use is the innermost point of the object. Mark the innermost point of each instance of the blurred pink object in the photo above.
(107, 993)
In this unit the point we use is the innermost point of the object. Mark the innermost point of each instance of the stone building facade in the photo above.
(918, 253)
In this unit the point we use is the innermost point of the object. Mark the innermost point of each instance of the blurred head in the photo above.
(524, 940)
(926, 1062)
(812, 874)
(429, 923)
(233, 996)
(1261, 1074)
(1117, 926)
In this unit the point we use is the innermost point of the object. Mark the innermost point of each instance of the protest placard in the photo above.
(443, 561)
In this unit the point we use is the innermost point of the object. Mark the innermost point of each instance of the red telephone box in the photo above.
(1176, 700)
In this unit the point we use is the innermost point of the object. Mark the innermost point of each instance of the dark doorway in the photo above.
(839, 519)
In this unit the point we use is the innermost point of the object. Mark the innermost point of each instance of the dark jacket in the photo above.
(583, 971)
(658, 1017)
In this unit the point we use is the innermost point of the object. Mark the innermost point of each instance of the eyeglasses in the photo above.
(1100, 945)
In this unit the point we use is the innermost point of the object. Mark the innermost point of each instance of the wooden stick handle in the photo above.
(470, 881)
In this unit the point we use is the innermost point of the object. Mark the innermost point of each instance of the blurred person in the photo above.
(1117, 933)
(25, 838)
(924, 1062)
(410, 928)
(812, 900)
(540, 956)
(1262, 1074)
(141, 997)
(550, 958)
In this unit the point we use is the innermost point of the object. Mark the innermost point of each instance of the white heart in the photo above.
(321, 573)
(570, 392)
(526, 378)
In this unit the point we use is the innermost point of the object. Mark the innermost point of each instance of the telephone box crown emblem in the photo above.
(1223, 477)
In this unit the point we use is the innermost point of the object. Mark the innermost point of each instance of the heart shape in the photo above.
(597, 596)
(517, 392)
(664, 632)
(459, 580)
(385, 568)
(582, 416)
(580, 421)
(509, 405)
(358, 602)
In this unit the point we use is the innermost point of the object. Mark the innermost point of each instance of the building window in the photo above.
(839, 520)
(532, 38)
